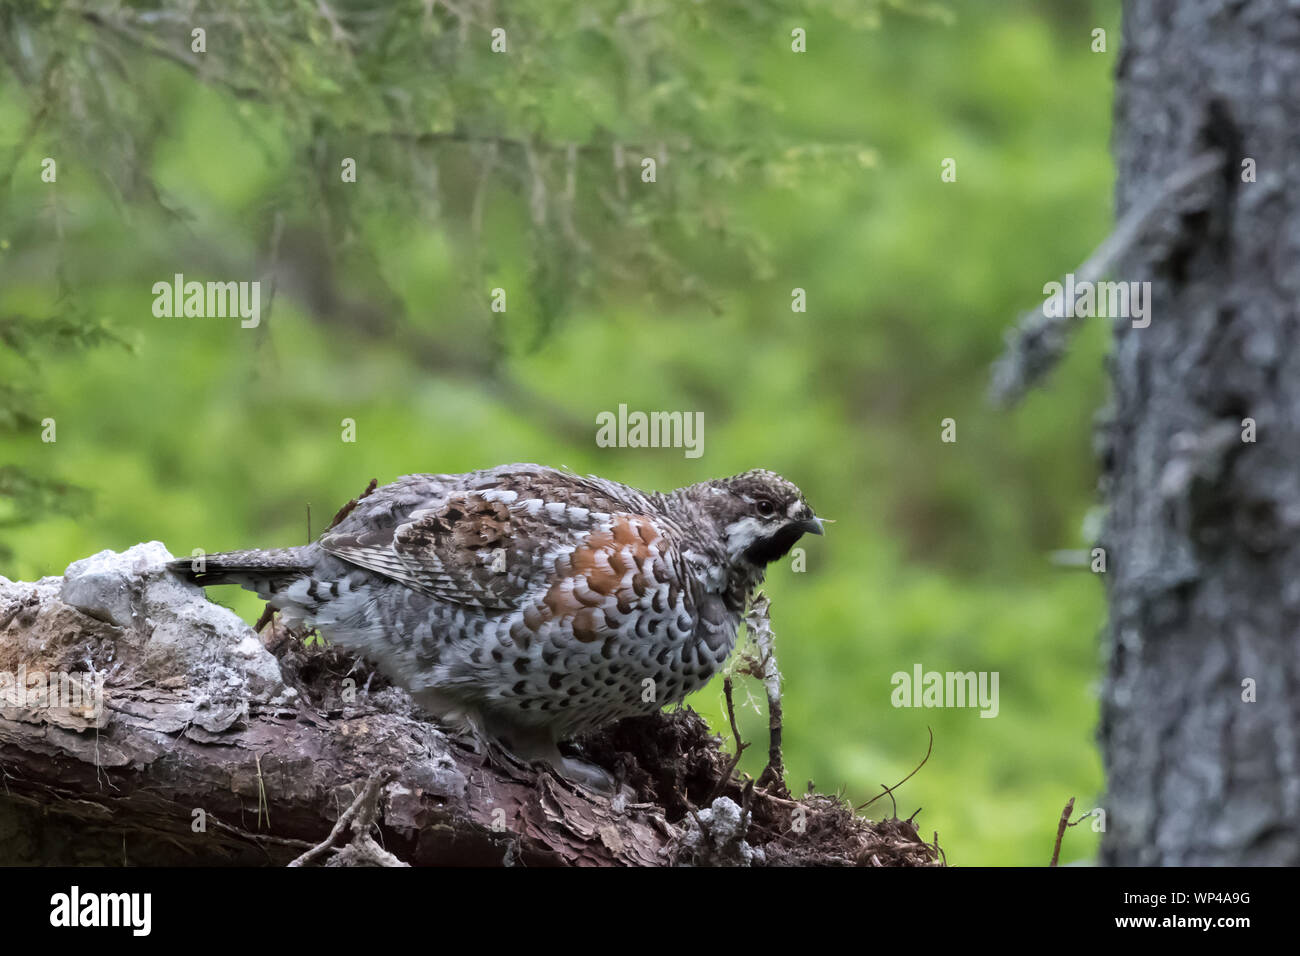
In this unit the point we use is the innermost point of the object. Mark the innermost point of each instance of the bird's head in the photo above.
(759, 515)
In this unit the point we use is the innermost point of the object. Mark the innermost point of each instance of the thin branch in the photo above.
(1060, 830)
(890, 790)
(759, 624)
(725, 780)
(362, 810)
(186, 60)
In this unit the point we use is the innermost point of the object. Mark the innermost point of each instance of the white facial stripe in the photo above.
(742, 533)
(795, 508)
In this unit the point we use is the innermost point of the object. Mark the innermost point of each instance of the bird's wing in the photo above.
(488, 548)
(626, 569)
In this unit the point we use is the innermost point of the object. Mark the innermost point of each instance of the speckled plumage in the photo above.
(531, 601)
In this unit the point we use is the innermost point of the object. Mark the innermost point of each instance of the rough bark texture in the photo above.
(1201, 536)
(274, 741)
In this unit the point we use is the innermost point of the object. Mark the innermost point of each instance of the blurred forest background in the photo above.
(522, 170)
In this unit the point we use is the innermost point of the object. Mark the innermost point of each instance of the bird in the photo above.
(530, 604)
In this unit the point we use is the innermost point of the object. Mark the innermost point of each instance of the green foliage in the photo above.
(522, 171)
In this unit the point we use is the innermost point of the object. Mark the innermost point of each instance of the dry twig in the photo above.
(890, 790)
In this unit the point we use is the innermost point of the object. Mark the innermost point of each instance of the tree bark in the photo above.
(1201, 705)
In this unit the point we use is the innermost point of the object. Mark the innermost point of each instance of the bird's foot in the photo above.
(537, 745)
(585, 773)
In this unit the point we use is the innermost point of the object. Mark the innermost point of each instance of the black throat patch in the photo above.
(766, 550)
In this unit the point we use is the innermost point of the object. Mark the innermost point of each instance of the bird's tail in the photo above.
(261, 571)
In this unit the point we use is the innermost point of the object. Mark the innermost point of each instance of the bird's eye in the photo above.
(764, 507)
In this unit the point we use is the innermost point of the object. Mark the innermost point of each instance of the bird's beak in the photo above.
(811, 525)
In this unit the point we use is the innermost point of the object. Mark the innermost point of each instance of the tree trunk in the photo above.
(1201, 706)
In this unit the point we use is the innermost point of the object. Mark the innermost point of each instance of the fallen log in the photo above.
(142, 724)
